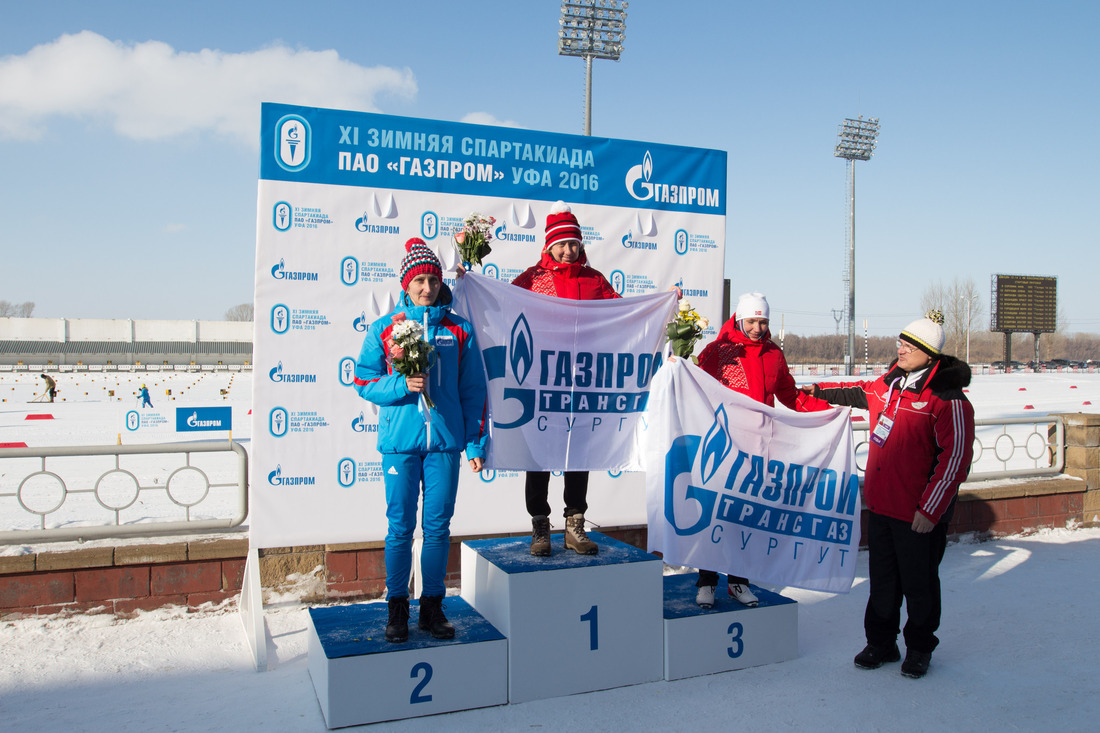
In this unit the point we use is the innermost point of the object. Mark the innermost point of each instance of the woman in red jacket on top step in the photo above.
(562, 272)
(745, 359)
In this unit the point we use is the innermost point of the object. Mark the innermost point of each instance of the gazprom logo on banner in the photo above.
(681, 245)
(361, 322)
(640, 185)
(280, 318)
(569, 382)
(756, 493)
(502, 233)
(695, 292)
(282, 216)
(429, 225)
(199, 419)
(521, 349)
(276, 478)
(362, 425)
(278, 421)
(279, 272)
(630, 243)
(491, 270)
(293, 140)
(349, 271)
(361, 222)
(278, 376)
(347, 371)
(618, 281)
(346, 472)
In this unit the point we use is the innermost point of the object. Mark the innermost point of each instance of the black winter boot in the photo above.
(432, 619)
(397, 628)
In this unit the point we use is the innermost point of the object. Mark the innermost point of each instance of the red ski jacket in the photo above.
(575, 281)
(756, 369)
(928, 451)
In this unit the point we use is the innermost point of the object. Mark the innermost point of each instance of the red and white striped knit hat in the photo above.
(561, 224)
(420, 260)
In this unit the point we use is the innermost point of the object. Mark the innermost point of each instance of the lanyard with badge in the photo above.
(885, 423)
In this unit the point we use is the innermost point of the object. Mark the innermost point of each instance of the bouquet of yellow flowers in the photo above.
(408, 352)
(472, 240)
(685, 330)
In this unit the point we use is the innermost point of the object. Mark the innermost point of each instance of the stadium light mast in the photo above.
(856, 140)
(591, 29)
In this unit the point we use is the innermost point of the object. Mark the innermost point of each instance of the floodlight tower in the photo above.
(591, 29)
(856, 140)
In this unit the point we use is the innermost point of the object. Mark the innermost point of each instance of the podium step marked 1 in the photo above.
(575, 623)
(727, 637)
(361, 678)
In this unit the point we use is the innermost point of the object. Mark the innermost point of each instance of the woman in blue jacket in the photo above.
(421, 446)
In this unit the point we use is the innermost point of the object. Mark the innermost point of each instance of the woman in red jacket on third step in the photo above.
(562, 272)
(745, 359)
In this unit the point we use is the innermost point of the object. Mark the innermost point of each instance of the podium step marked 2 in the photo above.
(575, 623)
(729, 636)
(361, 678)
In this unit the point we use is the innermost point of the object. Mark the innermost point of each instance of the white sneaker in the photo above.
(705, 596)
(743, 595)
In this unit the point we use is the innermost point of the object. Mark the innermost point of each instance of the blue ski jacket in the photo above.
(456, 384)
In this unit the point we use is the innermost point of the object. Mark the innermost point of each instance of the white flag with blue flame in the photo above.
(739, 487)
(568, 379)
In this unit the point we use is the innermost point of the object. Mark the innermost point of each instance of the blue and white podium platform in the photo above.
(575, 623)
(361, 678)
(727, 637)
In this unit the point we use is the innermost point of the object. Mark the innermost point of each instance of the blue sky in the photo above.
(129, 135)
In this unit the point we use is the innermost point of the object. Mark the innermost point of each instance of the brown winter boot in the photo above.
(575, 537)
(540, 536)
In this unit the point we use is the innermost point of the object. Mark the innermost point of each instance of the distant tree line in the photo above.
(16, 310)
(985, 347)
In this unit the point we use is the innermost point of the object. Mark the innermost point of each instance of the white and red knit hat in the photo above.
(752, 305)
(561, 224)
(420, 260)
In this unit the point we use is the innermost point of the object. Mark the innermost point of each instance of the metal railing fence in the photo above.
(121, 487)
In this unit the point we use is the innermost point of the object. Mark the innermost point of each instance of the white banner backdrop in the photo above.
(339, 194)
(568, 379)
(739, 487)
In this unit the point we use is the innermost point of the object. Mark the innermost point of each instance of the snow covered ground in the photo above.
(1017, 653)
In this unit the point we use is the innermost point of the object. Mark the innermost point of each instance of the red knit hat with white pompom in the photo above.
(561, 224)
(420, 260)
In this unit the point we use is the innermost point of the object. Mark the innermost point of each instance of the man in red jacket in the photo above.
(921, 449)
(562, 272)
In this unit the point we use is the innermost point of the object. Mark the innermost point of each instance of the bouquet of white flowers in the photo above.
(685, 330)
(408, 352)
(472, 240)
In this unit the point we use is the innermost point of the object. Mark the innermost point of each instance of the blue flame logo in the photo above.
(716, 445)
(275, 478)
(521, 350)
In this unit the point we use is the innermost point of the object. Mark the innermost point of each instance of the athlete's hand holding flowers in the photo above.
(410, 355)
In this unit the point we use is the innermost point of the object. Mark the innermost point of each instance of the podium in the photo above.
(575, 623)
(361, 678)
(529, 628)
(729, 636)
